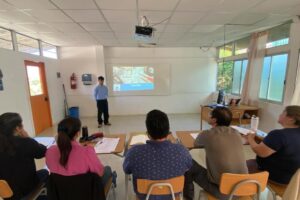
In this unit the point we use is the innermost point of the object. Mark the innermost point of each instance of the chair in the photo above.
(107, 188)
(236, 116)
(6, 191)
(276, 189)
(161, 187)
(292, 191)
(244, 186)
(77, 187)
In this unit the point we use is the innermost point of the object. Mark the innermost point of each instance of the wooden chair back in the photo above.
(177, 183)
(243, 184)
(5, 190)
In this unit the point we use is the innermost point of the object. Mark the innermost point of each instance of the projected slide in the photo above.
(133, 78)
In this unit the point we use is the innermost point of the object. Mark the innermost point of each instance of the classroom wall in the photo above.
(15, 97)
(191, 68)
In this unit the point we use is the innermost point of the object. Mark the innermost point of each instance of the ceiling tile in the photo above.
(249, 18)
(122, 27)
(32, 4)
(157, 4)
(236, 5)
(275, 6)
(177, 28)
(203, 5)
(122, 35)
(39, 28)
(95, 26)
(68, 27)
(103, 35)
(15, 16)
(117, 4)
(75, 4)
(187, 17)
(155, 16)
(119, 16)
(205, 28)
(218, 18)
(50, 15)
(5, 6)
(85, 15)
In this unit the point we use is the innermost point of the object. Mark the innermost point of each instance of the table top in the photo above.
(188, 141)
(120, 147)
(239, 107)
(170, 137)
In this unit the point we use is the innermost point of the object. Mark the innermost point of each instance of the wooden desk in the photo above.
(120, 147)
(187, 140)
(237, 114)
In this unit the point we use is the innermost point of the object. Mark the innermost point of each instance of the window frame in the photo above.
(285, 77)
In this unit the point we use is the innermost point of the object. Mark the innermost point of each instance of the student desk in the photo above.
(128, 146)
(120, 147)
(237, 114)
(188, 141)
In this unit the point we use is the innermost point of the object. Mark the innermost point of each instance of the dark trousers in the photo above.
(102, 106)
(198, 174)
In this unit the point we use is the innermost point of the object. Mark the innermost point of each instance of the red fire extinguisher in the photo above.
(73, 81)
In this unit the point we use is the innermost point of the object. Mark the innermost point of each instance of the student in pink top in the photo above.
(69, 158)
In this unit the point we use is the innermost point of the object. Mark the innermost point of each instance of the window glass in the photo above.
(273, 77)
(49, 51)
(28, 45)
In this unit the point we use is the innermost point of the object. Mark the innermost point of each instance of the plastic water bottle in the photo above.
(254, 123)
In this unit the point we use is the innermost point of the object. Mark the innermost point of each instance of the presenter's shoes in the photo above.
(99, 125)
(107, 124)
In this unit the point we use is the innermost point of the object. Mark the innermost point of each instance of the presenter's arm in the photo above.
(95, 93)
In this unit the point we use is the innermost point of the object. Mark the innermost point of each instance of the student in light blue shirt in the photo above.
(101, 94)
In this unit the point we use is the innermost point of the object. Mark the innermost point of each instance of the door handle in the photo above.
(46, 98)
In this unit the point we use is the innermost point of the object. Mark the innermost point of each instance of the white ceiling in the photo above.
(190, 23)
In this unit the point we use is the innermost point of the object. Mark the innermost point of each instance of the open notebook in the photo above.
(139, 139)
(106, 145)
(243, 131)
(46, 141)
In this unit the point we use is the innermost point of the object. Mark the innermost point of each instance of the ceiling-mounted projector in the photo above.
(144, 31)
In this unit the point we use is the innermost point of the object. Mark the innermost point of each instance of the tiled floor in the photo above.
(127, 124)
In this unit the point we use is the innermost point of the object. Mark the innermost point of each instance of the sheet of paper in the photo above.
(47, 141)
(139, 139)
(106, 145)
(194, 135)
(243, 131)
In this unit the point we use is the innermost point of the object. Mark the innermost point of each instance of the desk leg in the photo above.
(126, 186)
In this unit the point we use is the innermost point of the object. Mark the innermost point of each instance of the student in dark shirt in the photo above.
(279, 152)
(17, 154)
(159, 159)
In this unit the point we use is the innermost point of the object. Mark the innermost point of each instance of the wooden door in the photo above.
(39, 99)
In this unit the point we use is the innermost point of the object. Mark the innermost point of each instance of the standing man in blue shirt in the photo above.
(101, 94)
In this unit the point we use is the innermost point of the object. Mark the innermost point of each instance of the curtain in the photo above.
(296, 96)
(256, 51)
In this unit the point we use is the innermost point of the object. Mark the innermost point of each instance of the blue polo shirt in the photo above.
(156, 161)
(282, 164)
(101, 92)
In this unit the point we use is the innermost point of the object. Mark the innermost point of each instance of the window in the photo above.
(5, 39)
(49, 50)
(225, 70)
(239, 72)
(34, 79)
(273, 77)
(227, 51)
(28, 45)
(241, 46)
(279, 36)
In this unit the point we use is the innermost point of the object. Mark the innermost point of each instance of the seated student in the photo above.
(17, 154)
(158, 159)
(224, 154)
(69, 158)
(279, 152)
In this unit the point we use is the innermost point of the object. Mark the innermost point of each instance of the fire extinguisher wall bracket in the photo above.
(73, 81)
